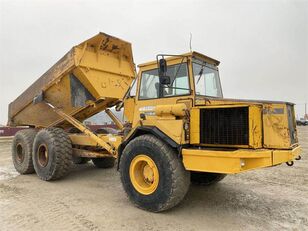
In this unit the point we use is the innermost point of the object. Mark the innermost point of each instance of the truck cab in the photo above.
(191, 75)
(180, 100)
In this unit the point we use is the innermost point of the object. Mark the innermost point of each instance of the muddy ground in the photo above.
(92, 199)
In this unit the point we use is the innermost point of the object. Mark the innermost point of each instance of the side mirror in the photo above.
(165, 80)
(163, 66)
(162, 71)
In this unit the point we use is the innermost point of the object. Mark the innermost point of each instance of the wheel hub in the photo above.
(42, 155)
(20, 155)
(148, 174)
(144, 174)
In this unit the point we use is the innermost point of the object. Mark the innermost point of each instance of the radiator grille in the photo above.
(224, 126)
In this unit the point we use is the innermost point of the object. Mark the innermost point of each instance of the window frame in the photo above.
(171, 96)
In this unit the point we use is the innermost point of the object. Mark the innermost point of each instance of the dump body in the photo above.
(91, 77)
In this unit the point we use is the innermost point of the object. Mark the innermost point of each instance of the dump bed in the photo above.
(92, 76)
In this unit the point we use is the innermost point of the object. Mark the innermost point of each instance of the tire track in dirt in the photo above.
(41, 210)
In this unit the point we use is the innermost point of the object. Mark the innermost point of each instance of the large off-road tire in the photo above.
(106, 162)
(52, 154)
(206, 178)
(152, 175)
(22, 151)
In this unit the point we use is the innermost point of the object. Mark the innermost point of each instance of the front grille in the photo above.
(292, 125)
(224, 126)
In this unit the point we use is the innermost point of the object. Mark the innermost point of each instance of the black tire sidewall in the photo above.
(161, 194)
(44, 138)
(21, 166)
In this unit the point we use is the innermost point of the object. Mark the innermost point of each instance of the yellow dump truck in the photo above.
(179, 129)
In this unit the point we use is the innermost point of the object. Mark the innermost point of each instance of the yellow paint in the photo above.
(235, 161)
(276, 130)
(280, 156)
(103, 64)
(144, 174)
(255, 126)
(173, 109)
(129, 108)
(175, 59)
(195, 126)
(172, 128)
(85, 140)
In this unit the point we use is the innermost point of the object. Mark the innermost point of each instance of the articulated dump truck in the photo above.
(179, 129)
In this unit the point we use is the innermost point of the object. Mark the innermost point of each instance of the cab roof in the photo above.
(193, 54)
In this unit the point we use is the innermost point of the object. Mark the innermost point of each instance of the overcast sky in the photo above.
(262, 45)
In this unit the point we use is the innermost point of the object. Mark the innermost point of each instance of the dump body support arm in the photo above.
(110, 148)
(117, 122)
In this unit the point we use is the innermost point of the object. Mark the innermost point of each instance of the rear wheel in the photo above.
(52, 154)
(22, 151)
(206, 178)
(106, 162)
(152, 175)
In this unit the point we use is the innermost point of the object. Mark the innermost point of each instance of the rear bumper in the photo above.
(235, 161)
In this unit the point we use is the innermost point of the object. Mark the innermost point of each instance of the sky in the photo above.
(262, 45)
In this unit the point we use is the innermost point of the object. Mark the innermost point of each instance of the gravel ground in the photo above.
(92, 199)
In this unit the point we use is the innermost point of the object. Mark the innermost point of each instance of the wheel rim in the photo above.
(42, 154)
(144, 174)
(20, 155)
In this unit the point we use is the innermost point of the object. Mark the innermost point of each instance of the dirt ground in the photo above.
(92, 199)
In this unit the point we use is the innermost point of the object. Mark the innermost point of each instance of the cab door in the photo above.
(151, 93)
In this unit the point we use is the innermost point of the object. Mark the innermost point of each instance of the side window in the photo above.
(206, 80)
(149, 85)
(179, 79)
(210, 84)
(133, 89)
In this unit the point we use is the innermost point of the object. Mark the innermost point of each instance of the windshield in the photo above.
(179, 83)
(206, 79)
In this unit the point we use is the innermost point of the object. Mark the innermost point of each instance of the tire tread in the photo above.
(28, 136)
(63, 153)
(180, 177)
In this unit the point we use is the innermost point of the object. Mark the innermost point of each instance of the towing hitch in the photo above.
(290, 163)
(298, 158)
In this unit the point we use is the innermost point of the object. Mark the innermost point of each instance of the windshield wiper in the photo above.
(200, 73)
(177, 71)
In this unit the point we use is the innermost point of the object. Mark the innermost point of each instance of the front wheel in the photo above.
(152, 175)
